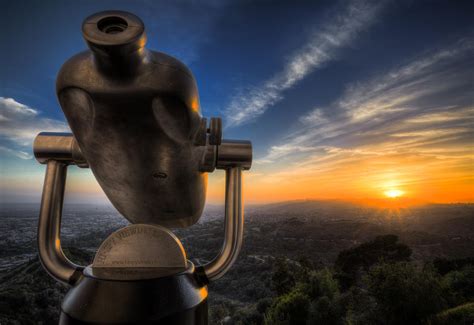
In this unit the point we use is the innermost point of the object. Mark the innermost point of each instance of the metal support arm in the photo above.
(234, 226)
(233, 156)
(49, 227)
(57, 151)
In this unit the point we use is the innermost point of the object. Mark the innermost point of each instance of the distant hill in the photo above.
(344, 210)
(303, 207)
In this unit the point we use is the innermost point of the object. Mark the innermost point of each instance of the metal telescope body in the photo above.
(136, 123)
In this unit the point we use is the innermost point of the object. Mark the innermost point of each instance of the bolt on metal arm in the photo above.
(233, 157)
(56, 151)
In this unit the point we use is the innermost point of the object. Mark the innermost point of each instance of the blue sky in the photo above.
(315, 85)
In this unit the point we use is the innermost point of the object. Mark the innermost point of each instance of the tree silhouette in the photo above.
(352, 263)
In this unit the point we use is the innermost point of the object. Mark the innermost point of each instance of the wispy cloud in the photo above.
(414, 124)
(16, 153)
(427, 95)
(19, 124)
(323, 46)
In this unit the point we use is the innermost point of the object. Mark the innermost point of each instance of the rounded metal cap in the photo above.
(139, 251)
(114, 32)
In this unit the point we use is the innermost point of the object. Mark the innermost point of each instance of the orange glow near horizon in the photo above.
(352, 185)
(382, 181)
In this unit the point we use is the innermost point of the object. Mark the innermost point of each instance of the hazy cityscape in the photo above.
(314, 230)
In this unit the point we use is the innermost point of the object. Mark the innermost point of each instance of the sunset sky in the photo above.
(352, 100)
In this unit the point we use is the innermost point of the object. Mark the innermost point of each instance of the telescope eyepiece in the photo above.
(112, 25)
(117, 39)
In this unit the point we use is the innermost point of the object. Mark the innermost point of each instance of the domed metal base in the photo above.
(176, 299)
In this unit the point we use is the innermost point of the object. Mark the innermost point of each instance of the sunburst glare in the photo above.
(394, 193)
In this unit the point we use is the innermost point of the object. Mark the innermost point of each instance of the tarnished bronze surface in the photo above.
(139, 251)
(135, 114)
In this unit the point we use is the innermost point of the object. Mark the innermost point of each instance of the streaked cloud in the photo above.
(19, 124)
(323, 46)
(16, 153)
(403, 100)
(413, 125)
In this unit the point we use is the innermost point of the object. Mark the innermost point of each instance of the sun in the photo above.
(393, 193)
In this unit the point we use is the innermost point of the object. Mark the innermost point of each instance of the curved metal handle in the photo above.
(57, 151)
(49, 241)
(234, 226)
